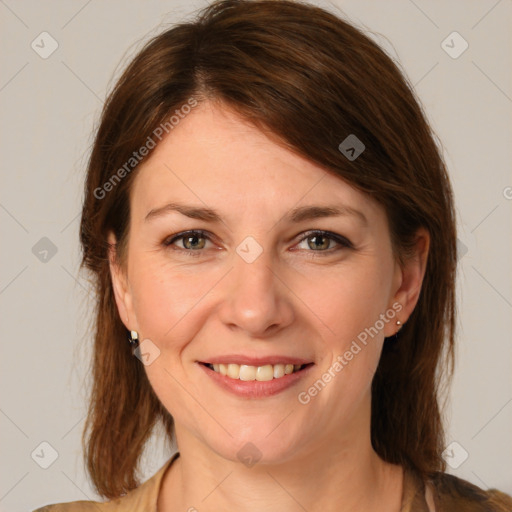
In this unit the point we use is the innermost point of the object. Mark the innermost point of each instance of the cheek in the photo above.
(165, 297)
(350, 300)
(166, 302)
(351, 310)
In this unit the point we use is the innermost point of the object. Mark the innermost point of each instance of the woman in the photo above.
(271, 230)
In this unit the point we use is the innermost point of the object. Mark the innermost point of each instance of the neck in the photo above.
(339, 473)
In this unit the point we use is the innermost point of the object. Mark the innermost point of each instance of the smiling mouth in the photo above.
(263, 373)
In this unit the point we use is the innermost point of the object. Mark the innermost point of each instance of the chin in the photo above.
(256, 446)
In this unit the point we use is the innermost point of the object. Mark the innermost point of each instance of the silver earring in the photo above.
(399, 326)
(133, 338)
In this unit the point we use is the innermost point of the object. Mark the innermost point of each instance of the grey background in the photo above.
(49, 108)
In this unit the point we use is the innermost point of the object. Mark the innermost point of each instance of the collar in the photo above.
(145, 497)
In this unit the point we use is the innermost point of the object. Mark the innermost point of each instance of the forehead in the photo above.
(216, 158)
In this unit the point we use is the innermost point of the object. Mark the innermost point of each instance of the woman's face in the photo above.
(258, 286)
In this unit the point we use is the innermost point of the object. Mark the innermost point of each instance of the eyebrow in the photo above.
(296, 215)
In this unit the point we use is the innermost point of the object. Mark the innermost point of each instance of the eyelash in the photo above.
(342, 241)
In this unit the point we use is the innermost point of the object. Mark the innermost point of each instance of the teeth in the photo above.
(259, 373)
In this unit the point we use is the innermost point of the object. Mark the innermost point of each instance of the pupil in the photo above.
(316, 240)
(193, 237)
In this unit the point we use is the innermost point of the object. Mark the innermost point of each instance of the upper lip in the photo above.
(255, 361)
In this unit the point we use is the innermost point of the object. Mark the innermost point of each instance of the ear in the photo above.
(408, 279)
(121, 286)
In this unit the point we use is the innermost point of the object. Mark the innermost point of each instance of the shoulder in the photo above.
(75, 506)
(139, 497)
(144, 497)
(130, 501)
(451, 493)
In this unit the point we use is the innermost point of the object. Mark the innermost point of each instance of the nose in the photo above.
(256, 300)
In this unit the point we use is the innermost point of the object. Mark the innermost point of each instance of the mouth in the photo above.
(262, 373)
(258, 380)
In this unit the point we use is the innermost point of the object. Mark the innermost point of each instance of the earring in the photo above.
(392, 340)
(133, 338)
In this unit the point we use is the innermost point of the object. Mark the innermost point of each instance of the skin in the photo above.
(294, 299)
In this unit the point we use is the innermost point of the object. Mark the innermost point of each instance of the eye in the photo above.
(194, 240)
(320, 241)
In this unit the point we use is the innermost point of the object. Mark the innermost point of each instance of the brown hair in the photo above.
(310, 79)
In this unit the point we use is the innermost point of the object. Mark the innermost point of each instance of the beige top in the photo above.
(444, 493)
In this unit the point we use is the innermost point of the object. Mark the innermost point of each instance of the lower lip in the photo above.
(255, 388)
